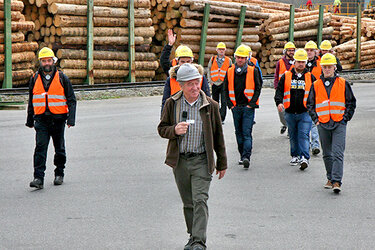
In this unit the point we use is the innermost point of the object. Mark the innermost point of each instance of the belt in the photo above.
(191, 155)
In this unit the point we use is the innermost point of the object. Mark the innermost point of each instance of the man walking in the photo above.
(242, 89)
(52, 103)
(216, 70)
(283, 65)
(191, 121)
(291, 96)
(331, 104)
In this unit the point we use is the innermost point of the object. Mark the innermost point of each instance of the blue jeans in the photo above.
(299, 126)
(243, 118)
(314, 142)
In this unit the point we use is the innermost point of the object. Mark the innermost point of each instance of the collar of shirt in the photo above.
(221, 60)
(299, 75)
(193, 103)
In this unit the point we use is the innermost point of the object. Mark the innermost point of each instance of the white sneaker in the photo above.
(294, 161)
(304, 163)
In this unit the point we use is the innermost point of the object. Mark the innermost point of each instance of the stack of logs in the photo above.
(185, 17)
(61, 25)
(369, 13)
(346, 52)
(23, 53)
(276, 34)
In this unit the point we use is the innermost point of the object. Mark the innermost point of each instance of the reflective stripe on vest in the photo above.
(219, 73)
(332, 107)
(175, 86)
(288, 85)
(55, 96)
(174, 62)
(250, 84)
(282, 68)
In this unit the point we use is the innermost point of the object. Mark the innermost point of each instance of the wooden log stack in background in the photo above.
(61, 25)
(185, 18)
(23, 53)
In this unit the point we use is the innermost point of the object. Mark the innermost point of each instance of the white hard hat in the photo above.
(187, 72)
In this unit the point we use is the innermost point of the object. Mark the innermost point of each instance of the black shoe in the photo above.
(254, 122)
(58, 180)
(37, 183)
(315, 151)
(282, 130)
(198, 247)
(188, 244)
(246, 163)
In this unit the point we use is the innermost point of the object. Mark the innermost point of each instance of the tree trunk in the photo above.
(19, 26)
(303, 33)
(101, 40)
(105, 31)
(81, 21)
(21, 47)
(104, 55)
(16, 37)
(18, 75)
(108, 64)
(15, 5)
(113, 3)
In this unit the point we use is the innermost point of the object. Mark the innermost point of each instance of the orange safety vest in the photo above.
(332, 107)
(317, 70)
(174, 62)
(175, 86)
(250, 84)
(217, 73)
(254, 61)
(282, 68)
(55, 97)
(288, 85)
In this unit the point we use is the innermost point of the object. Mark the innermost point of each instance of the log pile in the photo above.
(23, 53)
(369, 13)
(346, 52)
(61, 26)
(275, 35)
(185, 18)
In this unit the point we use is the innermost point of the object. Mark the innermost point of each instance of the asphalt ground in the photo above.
(118, 194)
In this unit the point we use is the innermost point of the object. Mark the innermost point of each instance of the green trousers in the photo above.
(193, 182)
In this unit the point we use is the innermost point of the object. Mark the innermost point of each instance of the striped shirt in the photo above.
(192, 141)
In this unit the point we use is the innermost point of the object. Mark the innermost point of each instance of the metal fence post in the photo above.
(320, 25)
(131, 76)
(202, 49)
(7, 83)
(241, 23)
(358, 45)
(291, 24)
(90, 42)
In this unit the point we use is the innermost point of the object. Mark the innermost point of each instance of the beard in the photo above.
(47, 68)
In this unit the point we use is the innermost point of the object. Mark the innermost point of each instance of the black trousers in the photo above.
(47, 127)
(218, 94)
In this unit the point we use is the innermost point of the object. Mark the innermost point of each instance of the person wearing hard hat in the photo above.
(313, 65)
(326, 47)
(313, 62)
(52, 103)
(336, 6)
(171, 85)
(331, 104)
(283, 65)
(291, 96)
(242, 86)
(216, 70)
(191, 121)
(165, 63)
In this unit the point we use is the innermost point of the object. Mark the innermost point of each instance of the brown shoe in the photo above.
(328, 185)
(336, 187)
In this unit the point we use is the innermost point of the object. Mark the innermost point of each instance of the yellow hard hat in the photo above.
(289, 45)
(311, 45)
(242, 51)
(328, 59)
(185, 51)
(45, 53)
(178, 50)
(300, 55)
(248, 48)
(221, 45)
(326, 45)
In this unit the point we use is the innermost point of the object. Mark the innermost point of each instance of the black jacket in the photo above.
(164, 58)
(296, 94)
(239, 87)
(69, 94)
(350, 103)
